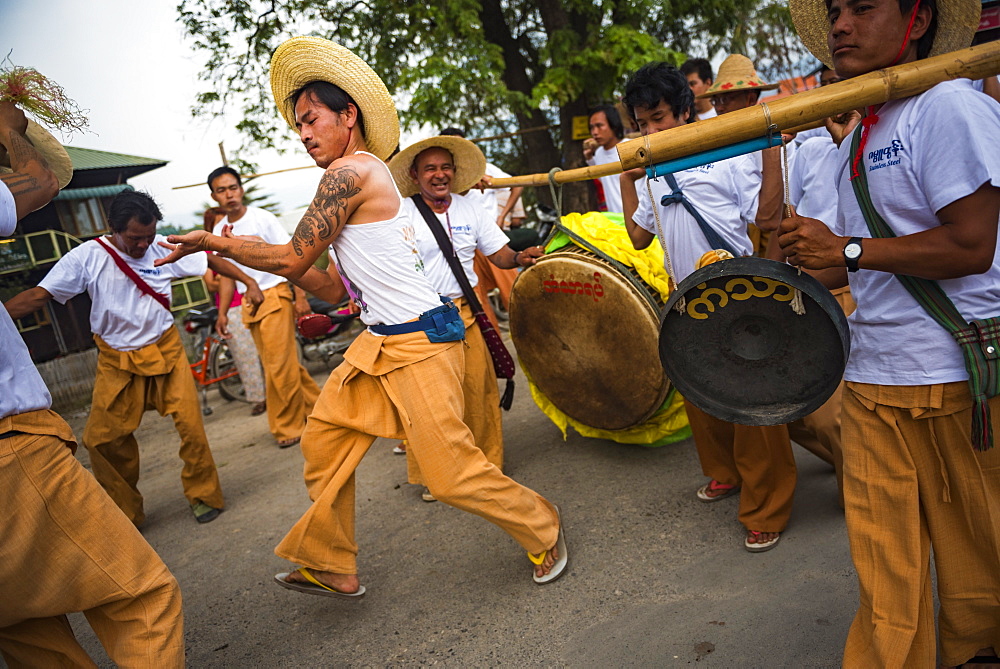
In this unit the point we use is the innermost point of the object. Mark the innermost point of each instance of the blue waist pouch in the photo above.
(440, 324)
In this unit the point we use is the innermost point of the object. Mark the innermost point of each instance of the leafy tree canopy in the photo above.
(489, 66)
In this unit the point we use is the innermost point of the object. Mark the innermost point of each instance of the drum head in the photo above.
(740, 353)
(587, 337)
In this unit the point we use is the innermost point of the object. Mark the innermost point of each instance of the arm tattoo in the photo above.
(20, 184)
(22, 152)
(259, 255)
(327, 214)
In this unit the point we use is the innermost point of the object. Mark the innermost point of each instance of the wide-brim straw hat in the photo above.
(301, 60)
(50, 148)
(737, 73)
(957, 22)
(470, 163)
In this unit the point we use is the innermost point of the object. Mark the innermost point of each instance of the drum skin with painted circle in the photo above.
(586, 333)
(739, 352)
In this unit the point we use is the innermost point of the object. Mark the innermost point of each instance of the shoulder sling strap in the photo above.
(503, 363)
(678, 197)
(136, 279)
(979, 340)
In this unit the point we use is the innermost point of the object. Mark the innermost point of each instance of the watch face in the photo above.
(853, 251)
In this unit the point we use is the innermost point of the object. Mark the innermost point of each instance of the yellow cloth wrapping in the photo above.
(670, 423)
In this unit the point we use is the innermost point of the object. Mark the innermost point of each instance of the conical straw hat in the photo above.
(50, 148)
(737, 73)
(957, 22)
(470, 163)
(301, 60)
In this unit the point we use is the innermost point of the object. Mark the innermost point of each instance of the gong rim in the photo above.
(742, 384)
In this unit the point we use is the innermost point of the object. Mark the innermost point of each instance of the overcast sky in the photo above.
(128, 63)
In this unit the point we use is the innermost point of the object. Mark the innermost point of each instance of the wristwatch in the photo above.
(852, 253)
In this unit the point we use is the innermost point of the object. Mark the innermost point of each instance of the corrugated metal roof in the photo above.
(92, 159)
(96, 191)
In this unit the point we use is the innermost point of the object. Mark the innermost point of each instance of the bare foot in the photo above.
(346, 583)
(550, 559)
(761, 537)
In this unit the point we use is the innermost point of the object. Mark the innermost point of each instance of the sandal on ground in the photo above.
(427, 496)
(204, 513)
(760, 546)
(400, 448)
(286, 443)
(258, 408)
(314, 587)
(559, 568)
(713, 491)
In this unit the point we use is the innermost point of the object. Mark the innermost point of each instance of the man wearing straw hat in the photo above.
(437, 170)
(66, 547)
(756, 462)
(736, 87)
(403, 376)
(919, 198)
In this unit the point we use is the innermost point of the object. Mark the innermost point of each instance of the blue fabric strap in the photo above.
(677, 197)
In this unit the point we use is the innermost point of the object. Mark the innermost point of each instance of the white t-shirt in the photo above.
(383, 271)
(470, 229)
(924, 153)
(711, 113)
(725, 193)
(812, 188)
(610, 184)
(801, 137)
(124, 317)
(263, 224)
(23, 388)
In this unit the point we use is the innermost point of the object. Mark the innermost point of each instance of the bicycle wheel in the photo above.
(221, 364)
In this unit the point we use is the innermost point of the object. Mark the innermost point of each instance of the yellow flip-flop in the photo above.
(559, 568)
(314, 587)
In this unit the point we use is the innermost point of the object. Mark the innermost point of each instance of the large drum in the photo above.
(586, 331)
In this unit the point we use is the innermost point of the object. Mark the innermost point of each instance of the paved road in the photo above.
(657, 578)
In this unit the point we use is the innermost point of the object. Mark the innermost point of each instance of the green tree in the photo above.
(490, 66)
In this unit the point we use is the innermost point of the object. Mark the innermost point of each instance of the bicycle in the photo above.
(216, 365)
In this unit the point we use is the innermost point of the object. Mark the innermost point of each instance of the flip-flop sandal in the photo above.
(715, 486)
(314, 587)
(760, 546)
(559, 568)
(287, 443)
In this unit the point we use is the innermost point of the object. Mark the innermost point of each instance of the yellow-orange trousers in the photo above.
(158, 377)
(291, 392)
(490, 277)
(819, 432)
(482, 398)
(913, 482)
(66, 547)
(758, 459)
(395, 387)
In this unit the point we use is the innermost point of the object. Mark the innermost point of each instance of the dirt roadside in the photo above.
(657, 578)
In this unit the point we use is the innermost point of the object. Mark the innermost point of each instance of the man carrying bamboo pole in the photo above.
(724, 194)
(919, 198)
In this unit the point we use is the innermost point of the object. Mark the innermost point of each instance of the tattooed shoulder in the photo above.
(328, 212)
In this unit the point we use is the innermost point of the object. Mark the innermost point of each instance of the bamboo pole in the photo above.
(794, 111)
(250, 176)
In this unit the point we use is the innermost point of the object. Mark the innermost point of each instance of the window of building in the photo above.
(82, 218)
